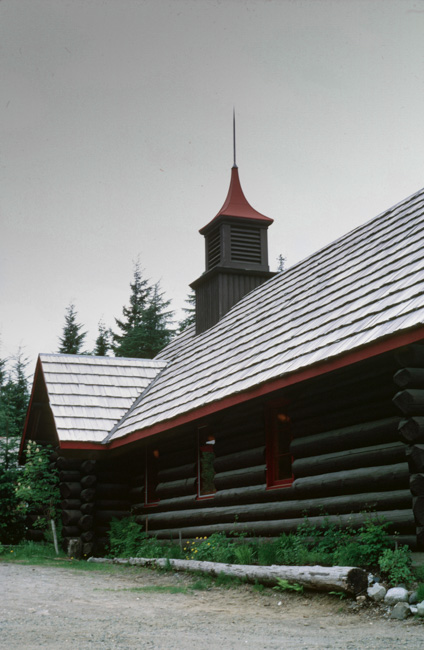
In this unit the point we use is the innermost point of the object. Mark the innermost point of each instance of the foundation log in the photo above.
(412, 429)
(410, 401)
(416, 484)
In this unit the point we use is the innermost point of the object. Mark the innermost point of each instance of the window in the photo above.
(205, 468)
(151, 477)
(279, 459)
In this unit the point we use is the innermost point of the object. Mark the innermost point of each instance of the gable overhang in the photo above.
(377, 348)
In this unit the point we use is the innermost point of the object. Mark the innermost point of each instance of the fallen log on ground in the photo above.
(350, 580)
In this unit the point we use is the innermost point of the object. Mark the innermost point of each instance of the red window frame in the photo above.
(205, 445)
(151, 467)
(279, 459)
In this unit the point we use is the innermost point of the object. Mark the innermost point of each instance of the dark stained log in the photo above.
(70, 490)
(87, 536)
(412, 429)
(68, 463)
(416, 484)
(409, 378)
(175, 503)
(88, 467)
(371, 479)
(411, 357)
(35, 535)
(415, 458)
(357, 435)
(252, 494)
(410, 401)
(420, 537)
(31, 518)
(87, 549)
(101, 531)
(239, 477)
(87, 495)
(70, 531)
(72, 476)
(110, 504)
(182, 487)
(70, 517)
(350, 458)
(135, 480)
(400, 499)
(111, 490)
(240, 443)
(399, 520)
(401, 540)
(85, 522)
(355, 416)
(88, 481)
(241, 459)
(136, 493)
(70, 504)
(418, 508)
(106, 515)
(87, 508)
(177, 473)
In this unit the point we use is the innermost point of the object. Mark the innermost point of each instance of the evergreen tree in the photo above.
(190, 312)
(133, 315)
(72, 338)
(103, 344)
(281, 263)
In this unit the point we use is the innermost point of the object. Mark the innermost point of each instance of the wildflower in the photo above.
(11, 551)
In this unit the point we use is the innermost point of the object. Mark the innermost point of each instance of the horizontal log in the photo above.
(88, 495)
(188, 470)
(177, 458)
(70, 504)
(70, 490)
(416, 484)
(112, 504)
(108, 515)
(66, 475)
(35, 535)
(358, 435)
(409, 378)
(415, 458)
(412, 429)
(87, 536)
(88, 481)
(87, 508)
(182, 487)
(401, 521)
(88, 467)
(68, 463)
(411, 356)
(85, 522)
(420, 537)
(370, 479)
(240, 459)
(136, 493)
(70, 531)
(70, 517)
(349, 580)
(246, 476)
(385, 454)
(410, 401)
(87, 549)
(397, 499)
(355, 416)
(418, 509)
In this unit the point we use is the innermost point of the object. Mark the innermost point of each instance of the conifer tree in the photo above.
(132, 315)
(190, 312)
(72, 338)
(103, 344)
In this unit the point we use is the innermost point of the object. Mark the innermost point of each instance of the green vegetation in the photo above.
(285, 585)
(396, 565)
(73, 337)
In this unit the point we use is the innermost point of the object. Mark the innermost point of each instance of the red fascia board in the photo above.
(304, 374)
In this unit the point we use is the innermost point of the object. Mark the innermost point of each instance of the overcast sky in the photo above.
(116, 139)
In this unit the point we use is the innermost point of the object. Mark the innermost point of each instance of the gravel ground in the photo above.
(60, 608)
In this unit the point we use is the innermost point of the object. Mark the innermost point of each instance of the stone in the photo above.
(376, 592)
(413, 598)
(400, 611)
(414, 610)
(396, 595)
(420, 609)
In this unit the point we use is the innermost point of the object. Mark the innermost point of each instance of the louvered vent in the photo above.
(245, 245)
(214, 249)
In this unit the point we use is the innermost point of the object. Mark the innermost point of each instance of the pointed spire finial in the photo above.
(234, 136)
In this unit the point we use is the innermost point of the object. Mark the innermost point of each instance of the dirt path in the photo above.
(55, 608)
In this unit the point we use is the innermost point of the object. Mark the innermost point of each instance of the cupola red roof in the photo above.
(236, 205)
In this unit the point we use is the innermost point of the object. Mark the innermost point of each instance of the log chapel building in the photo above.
(294, 392)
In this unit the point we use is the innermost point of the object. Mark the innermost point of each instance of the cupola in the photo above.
(236, 256)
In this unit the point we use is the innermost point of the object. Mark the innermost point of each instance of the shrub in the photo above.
(125, 537)
(11, 518)
(396, 564)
